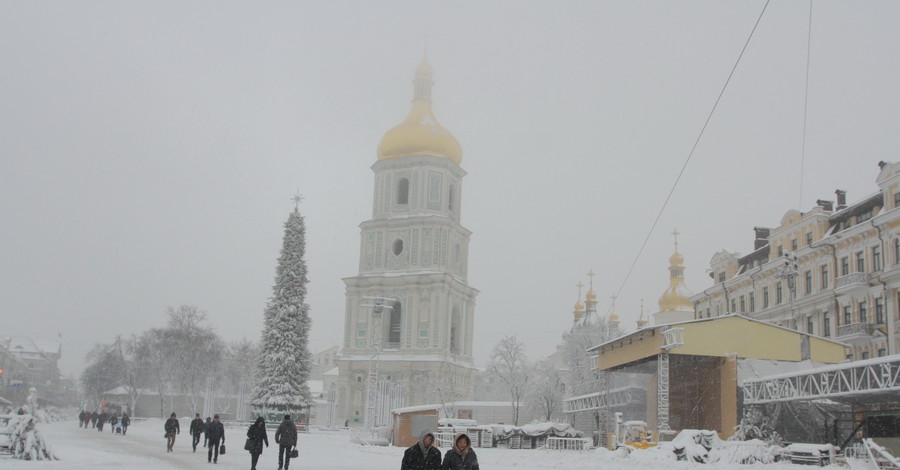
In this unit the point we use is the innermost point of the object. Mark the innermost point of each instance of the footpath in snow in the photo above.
(144, 448)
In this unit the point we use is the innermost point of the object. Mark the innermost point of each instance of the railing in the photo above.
(391, 346)
(852, 280)
(672, 338)
(855, 329)
(568, 443)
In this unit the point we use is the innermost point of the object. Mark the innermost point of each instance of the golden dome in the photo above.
(676, 259)
(591, 296)
(613, 317)
(676, 297)
(420, 133)
(579, 307)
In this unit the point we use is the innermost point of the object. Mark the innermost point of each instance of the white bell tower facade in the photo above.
(413, 251)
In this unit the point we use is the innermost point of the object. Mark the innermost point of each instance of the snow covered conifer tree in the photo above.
(283, 363)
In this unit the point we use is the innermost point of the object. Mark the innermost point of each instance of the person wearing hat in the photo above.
(215, 432)
(172, 428)
(422, 455)
(286, 438)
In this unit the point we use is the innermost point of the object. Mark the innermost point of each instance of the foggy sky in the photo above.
(149, 150)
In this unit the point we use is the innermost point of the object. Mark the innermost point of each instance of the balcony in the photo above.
(851, 282)
(391, 346)
(856, 333)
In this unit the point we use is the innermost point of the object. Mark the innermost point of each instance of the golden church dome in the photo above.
(579, 307)
(591, 296)
(676, 259)
(420, 133)
(613, 317)
(676, 297)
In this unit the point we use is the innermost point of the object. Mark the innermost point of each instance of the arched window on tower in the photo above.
(455, 331)
(403, 191)
(394, 328)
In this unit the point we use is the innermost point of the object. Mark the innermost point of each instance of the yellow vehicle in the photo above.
(633, 434)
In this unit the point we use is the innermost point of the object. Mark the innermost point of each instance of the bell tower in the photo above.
(414, 252)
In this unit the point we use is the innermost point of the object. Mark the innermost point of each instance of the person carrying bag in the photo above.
(256, 436)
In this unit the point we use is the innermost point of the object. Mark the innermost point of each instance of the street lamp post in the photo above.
(789, 271)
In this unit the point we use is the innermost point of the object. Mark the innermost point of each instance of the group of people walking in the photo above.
(285, 437)
(425, 456)
(212, 429)
(257, 437)
(97, 419)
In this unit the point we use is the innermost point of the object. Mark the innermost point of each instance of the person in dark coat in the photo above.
(197, 427)
(205, 427)
(172, 428)
(214, 433)
(81, 419)
(422, 455)
(100, 420)
(126, 421)
(286, 438)
(461, 456)
(258, 435)
(113, 420)
(94, 417)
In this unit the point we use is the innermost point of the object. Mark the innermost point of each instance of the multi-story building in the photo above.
(833, 272)
(414, 258)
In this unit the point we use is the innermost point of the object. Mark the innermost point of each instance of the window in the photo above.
(394, 326)
(876, 258)
(397, 247)
(809, 325)
(707, 313)
(766, 297)
(845, 266)
(809, 238)
(826, 325)
(780, 250)
(793, 244)
(882, 352)
(722, 276)
(896, 199)
(865, 355)
(752, 302)
(847, 315)
(824, 273)
(808, 278)
(863, 312)
(864, 216)
(860, 261)
(897, 249)
(403, 191)
(879, 310)
(733, 309)
(450, 199)
(743, 307)
(779, 293)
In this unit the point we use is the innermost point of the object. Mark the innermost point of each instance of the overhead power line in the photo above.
(691, 154)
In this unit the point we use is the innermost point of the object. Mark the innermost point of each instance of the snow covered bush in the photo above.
(27, 442)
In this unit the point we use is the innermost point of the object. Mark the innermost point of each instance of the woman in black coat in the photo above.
(461, 456)
(256, 436)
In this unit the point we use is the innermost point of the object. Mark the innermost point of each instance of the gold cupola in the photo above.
(420, 133)
(579, 307)
(677, 296)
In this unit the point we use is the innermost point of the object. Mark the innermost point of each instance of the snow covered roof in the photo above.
(704, 320)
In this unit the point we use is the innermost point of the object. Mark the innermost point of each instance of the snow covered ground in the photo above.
(144, 448)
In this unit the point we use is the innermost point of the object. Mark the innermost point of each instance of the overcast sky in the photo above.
(149, 150)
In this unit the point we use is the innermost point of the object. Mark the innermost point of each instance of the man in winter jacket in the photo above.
(286, 438)
(196, 430)
(215, 431)
(172, 428)
(422, 455)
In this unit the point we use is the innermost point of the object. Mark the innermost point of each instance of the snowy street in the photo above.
(144, 448)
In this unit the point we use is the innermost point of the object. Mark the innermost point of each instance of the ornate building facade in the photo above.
(833, 272)
(414, 254)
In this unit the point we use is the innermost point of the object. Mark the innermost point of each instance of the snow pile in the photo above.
(26, 442)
